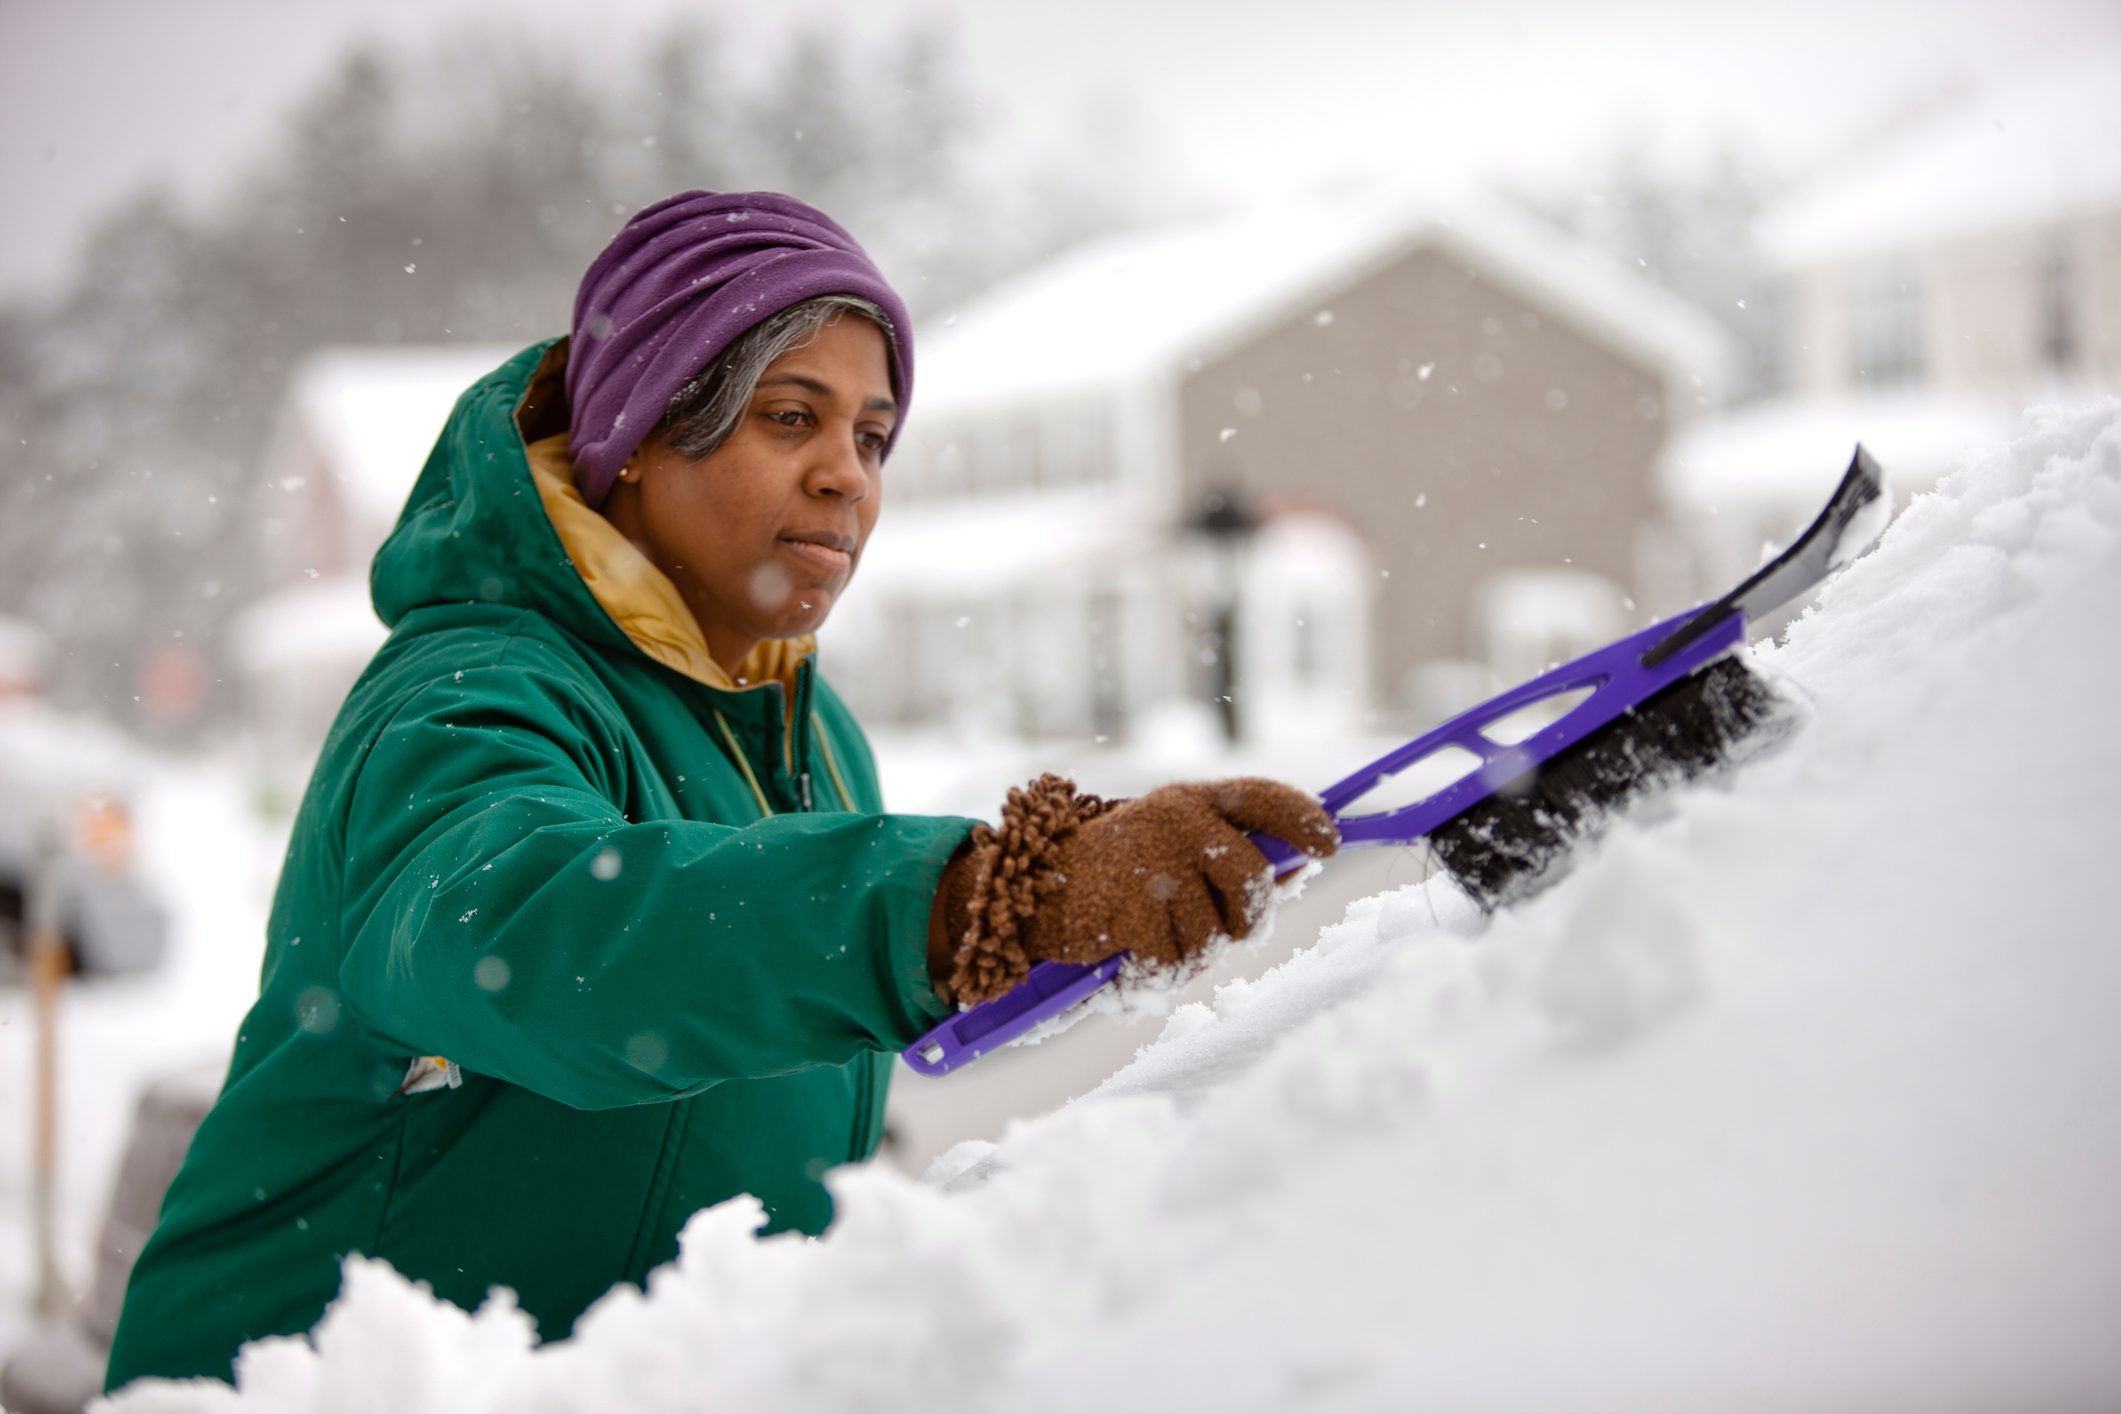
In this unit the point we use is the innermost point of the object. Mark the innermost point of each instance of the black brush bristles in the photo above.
(1517, 840)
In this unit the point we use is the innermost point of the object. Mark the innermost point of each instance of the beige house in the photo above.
(1445, 420)
(1978, 253)
(1935, 286)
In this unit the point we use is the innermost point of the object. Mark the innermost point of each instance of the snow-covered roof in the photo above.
(375, 412)
(1776, 452)
(1146, 304)
(328, 621)
(993, 543)
(2036, 148)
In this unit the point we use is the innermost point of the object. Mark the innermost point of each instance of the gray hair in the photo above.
(706, 410)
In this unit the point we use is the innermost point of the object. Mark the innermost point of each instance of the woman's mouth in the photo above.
(831, 553)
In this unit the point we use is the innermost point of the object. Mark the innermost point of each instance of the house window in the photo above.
(1304, 665)
(1027, 466)
(2060, 337)
(1888, 328)
(931, 464)
(1007, 459)
(1079, 440)
(993, 455)
(946, 472)
(1063, 452)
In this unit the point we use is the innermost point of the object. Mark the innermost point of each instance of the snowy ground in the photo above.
(1806, 1094)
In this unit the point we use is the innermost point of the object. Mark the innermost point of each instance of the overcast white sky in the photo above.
(99, 96)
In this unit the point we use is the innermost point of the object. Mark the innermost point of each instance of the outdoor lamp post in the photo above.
(1224, 526)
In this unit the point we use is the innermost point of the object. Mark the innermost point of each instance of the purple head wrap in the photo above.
(679, 284)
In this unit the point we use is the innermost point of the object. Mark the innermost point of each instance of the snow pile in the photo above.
(1804, 1095)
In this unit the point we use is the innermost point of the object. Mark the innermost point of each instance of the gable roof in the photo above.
(1148, 304)
(374, 413)
(2036, 148)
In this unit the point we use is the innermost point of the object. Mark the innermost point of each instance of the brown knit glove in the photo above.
(1070, 878)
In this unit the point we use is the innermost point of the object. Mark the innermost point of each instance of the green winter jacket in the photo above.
(655, 922)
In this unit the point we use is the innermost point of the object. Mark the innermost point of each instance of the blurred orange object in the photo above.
(104, 829)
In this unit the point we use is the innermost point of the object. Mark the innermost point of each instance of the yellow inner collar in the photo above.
(639, 597)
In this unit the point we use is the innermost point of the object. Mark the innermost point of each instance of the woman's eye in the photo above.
(788, 417)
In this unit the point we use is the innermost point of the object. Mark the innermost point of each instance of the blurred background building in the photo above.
(1352, 453)
(1349, 460)
(1933, 286)
(1434, 432)
(1432, 427)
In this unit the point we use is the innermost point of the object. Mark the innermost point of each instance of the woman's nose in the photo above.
(840, 470)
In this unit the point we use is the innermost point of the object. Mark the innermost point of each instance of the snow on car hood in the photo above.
(1802, 1094)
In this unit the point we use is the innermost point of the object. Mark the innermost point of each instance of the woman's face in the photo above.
(762, 534)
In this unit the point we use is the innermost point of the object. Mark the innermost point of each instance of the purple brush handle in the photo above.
(1621, 677)
(1618, 681)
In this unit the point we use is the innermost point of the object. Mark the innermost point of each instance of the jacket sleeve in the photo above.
(501, 911)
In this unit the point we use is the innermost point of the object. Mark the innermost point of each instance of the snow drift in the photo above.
(1806, 1093)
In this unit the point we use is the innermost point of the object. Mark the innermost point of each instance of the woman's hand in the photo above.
(1071, 878)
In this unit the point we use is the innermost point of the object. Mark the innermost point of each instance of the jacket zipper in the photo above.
(799, 738)
(804, 796)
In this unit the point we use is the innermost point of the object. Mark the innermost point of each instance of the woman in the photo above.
(591, 917)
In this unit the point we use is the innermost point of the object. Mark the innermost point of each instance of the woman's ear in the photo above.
(631, 471)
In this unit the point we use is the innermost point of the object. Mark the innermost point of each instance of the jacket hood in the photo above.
(495, 518)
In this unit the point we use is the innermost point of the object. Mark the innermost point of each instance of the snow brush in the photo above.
(1665, 704)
